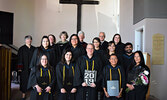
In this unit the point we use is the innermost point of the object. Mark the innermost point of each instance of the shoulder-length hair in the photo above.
(63, 60)
(119, 37)
(142, 63)
(48, 65)
(77, 39)
(45, 37)
(109, 44)
(97, 39)
(54, 38)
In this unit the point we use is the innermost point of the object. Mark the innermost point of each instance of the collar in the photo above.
(113, 68)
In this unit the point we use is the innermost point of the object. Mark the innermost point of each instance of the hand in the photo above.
(48, 89)
(63, 90)
(131, 87)
(19, 70)
(106, 93)
(73, 90)
(92, 85)
(120, 93)
(39, 89)
(84, 84)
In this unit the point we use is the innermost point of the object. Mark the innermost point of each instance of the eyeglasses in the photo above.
(74, 39)
(43, 59)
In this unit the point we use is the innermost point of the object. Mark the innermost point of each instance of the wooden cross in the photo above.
(79, 10)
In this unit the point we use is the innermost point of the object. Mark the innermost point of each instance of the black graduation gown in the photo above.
(140, 91)
(58, 52)
(104, 46)
(77, 51)
(102, 55)
(127, 61)
(119, 48)
(62, 45)
(24, 58)
(35, 78)
(39, 52)
(115, 76)
(79, 77)
(67, 83)
(84, 44)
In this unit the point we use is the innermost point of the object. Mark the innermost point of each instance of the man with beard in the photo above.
(128, 56)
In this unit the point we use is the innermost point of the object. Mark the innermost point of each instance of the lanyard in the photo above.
(49, 78)
(87, 65)
(65, 72)
(119, 76)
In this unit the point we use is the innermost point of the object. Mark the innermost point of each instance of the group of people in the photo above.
(57, 70)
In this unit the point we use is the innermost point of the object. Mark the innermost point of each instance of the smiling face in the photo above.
(128, 49)
(63, 37)
(45, 42)
(111, 47)
(74, 41)
(96, 43)
(44, 61)
(137, 58)
(116, 39)
(68, 56)
(89, 49)
(113, 60)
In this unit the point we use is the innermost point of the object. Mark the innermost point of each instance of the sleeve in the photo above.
(32, 78)
(34, 58)
(104, 84)
(20, 59)
(78, 78)
(53, 79)
(123, 77)
(99, 71)
(59, 77)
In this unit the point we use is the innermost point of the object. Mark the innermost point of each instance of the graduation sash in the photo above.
(118, 69)
(49, 78)
(64, 75)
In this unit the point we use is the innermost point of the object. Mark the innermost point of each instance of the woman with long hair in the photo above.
(137, 92)
(46, 49)
(42, 80)
(75, 46)
(119, 46)
(65, 75)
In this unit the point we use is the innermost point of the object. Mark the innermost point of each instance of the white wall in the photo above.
(151, 27)
(23, 18)
(41, 17)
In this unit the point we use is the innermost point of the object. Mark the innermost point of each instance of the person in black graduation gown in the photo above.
(118, 44)
(24, 57)
(92, 63)
(44, 49)
(111, 50)
(42, 79)
(113, 71)
(75, 46)
(104, 44)
(81, 36)
(65, 75)
(63, 43)
(99, 51)
(137, 92)
(55, 47)
(128, 56)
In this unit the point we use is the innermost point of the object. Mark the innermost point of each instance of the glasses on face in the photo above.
(43, 59)
(74, 39)
(90, 48)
